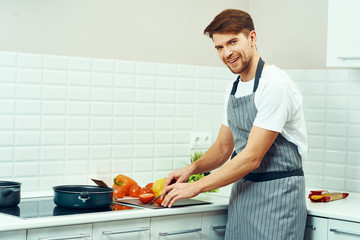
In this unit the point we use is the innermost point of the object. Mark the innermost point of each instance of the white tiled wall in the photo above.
(332, 112)
(66, 119)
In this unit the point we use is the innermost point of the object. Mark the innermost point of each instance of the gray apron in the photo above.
(268, 203)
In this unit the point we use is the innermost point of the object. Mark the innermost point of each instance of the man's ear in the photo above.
(253, 37)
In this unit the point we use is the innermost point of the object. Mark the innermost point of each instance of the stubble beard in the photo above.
(237, 70)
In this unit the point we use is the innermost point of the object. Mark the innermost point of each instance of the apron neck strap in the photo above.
(259, 69)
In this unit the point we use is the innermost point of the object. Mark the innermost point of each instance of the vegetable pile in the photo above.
(126, 186)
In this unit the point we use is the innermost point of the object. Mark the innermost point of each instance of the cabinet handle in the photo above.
(82, 235)
(344, 232)
(221, 227)
(312, 227)
(349, 58)
(126, 231)
(180, 232)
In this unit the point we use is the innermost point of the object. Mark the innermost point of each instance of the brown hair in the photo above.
(230, 21)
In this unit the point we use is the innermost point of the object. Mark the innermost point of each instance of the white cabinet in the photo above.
(343, 37)
(177, 227)
(214, 225)
(13, 235)
(343, 230)
(316, 228)
(127, 229)
(78, 232)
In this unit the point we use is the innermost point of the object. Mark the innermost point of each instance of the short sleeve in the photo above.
(275, 105)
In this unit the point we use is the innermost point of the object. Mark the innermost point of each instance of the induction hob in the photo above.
(45, 207)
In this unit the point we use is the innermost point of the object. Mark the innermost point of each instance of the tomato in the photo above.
(159, 201)
(149, 185)
(119, 193)
(145, 190)
(146, 197)
(125, 182)
(134, 190)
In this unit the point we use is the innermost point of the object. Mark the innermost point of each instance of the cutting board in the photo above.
(179, 203)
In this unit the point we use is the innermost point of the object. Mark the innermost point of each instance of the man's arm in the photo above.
(217, 154)
(214, 157)
(258, 144)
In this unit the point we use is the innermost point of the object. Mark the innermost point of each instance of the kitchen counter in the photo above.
(9, 223)
(344, 209)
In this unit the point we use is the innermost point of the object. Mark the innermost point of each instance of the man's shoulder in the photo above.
(273, 77)
(272, 72)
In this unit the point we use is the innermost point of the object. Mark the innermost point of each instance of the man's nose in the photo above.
(228, 52)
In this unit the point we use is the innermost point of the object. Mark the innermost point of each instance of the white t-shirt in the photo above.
(279, 104)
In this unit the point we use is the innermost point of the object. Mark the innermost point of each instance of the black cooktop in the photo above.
(45, 207)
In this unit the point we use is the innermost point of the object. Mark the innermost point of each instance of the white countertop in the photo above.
(344, 209)
(9, 223)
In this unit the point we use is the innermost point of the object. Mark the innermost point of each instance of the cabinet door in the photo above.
(78, 232)
(343, 230)
(343, 48)
(127, 229)
(214, 225)
(13, 235)
(176, 227)
(316, 228)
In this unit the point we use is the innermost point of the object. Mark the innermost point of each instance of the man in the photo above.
(265, 123)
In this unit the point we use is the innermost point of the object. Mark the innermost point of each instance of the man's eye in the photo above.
(219, 48)
(233, 42)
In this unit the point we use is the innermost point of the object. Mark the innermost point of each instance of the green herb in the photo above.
(195, 156)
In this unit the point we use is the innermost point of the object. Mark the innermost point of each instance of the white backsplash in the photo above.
(66, 119)
(332, 112)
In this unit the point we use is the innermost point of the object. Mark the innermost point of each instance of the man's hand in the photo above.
(179, 191)
(178, 176)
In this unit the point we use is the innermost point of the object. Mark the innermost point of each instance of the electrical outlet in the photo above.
(200, 140)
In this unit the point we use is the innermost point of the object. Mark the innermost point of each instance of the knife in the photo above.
(152, 201)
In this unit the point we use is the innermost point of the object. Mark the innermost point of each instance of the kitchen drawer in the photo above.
(177, 227)
(316, 228)
(214, 225)
(343, 230)
(78, 232)
(13, 235)
(126, 229)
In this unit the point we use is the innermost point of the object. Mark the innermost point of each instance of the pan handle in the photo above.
(84, 196)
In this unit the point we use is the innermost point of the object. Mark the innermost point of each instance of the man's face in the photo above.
(235, 50)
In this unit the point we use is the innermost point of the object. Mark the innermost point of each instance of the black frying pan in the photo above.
(83, 196)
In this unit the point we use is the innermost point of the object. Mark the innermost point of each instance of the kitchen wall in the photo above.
(66, 119)
(141, 30)
(332, 114)
(291, 34)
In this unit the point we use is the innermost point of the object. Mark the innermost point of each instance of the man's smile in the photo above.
(233, 61)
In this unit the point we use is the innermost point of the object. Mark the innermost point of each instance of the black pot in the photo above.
(9, 194)
(83, 196)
